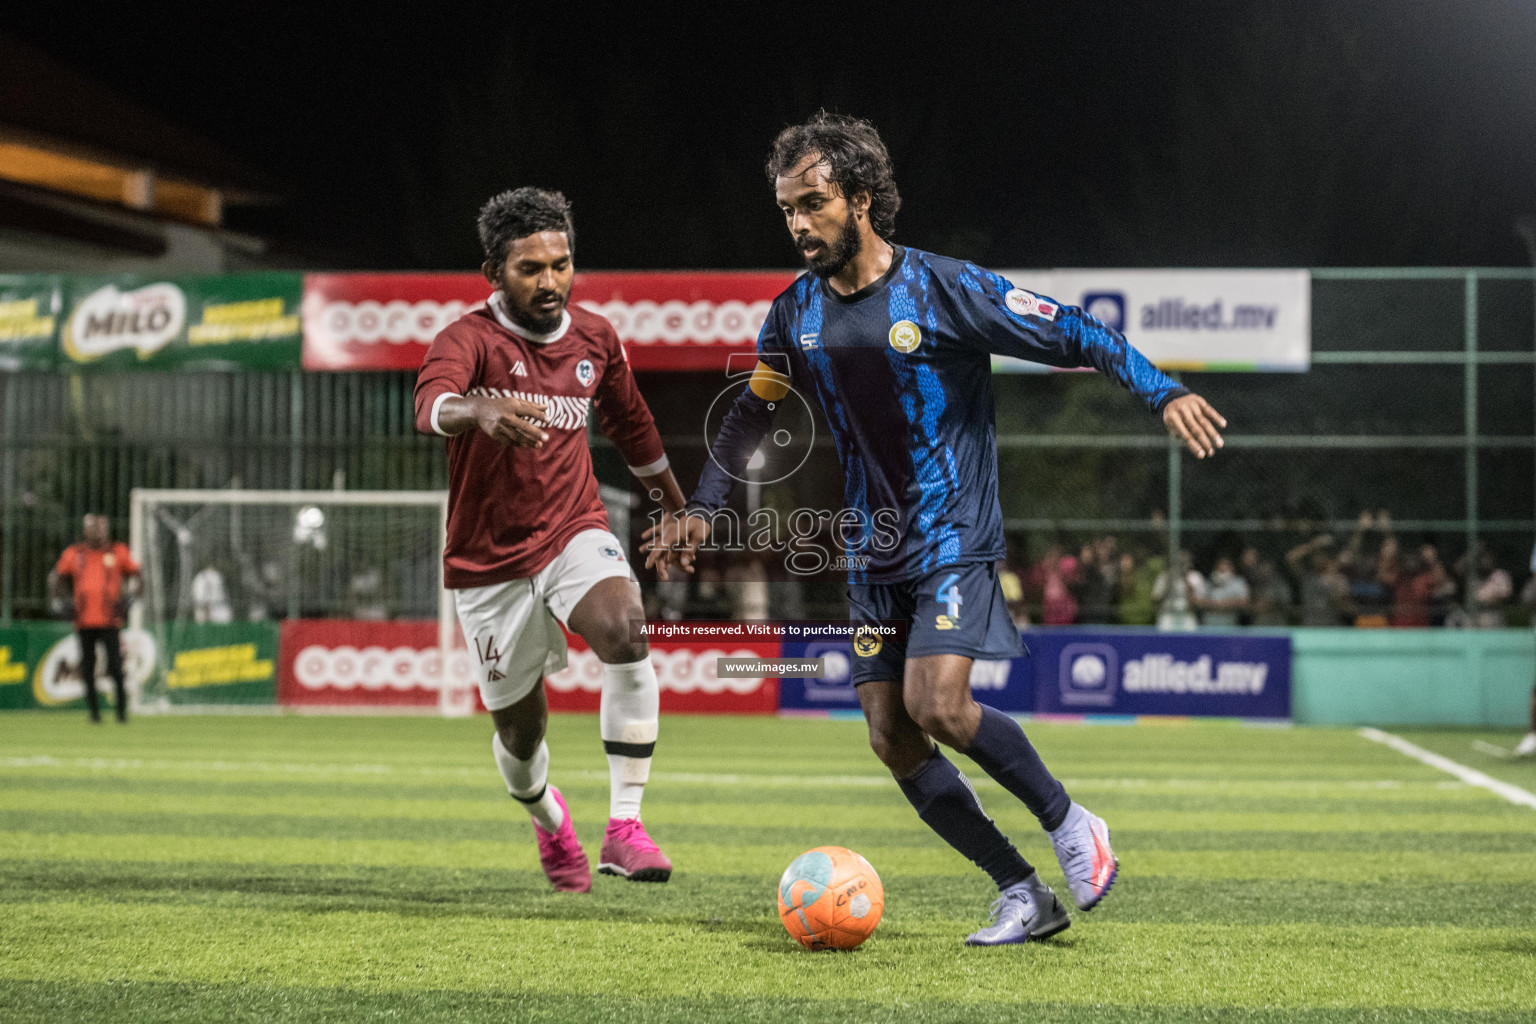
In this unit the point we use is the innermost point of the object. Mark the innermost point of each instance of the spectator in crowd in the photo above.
(1325, 594)
(210, 597)
(1098, 568)
(1012, 585)
(1194, 584)
(1226, 597)
(1366, 560)
(1492, 586)
(1138, 575)
(1272, 597)
(1054, 578)
(1527, 746)
(1417, 583)
(106, 580)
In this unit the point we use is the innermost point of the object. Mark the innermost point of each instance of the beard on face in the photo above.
(531, 317)
(831, 259)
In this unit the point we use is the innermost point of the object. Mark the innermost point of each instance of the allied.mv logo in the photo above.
(905, 337)
(585, 375)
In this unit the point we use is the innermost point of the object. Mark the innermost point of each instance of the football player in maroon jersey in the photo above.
(511, 385)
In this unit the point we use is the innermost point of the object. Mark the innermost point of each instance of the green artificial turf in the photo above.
(359, 869)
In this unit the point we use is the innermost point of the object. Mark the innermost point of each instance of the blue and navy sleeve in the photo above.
(742, 432)
(1009, 321)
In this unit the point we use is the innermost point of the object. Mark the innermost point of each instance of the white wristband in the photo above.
(437, 405)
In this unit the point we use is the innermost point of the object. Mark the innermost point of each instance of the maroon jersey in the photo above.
(511, 510)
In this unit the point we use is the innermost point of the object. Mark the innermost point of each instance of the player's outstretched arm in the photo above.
(1192, 419)
(510, 421)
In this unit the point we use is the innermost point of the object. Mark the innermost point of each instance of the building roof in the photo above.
(47, 101)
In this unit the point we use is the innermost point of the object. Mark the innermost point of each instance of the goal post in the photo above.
(351, 581)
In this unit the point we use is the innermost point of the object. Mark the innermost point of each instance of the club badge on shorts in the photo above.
(611, 553)
(866, 643)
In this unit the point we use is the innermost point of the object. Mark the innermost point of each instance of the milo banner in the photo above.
(667, 321)
(40, 666)
(29, 317)
(236, 321)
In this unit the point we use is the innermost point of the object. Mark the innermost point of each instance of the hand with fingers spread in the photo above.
(674, 541)
(1191, 419)
(512, 421)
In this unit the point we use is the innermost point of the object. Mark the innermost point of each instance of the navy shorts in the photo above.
(958, 609)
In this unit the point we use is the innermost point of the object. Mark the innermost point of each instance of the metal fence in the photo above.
(1419, 401)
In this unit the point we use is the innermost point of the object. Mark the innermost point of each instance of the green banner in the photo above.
(237, 321)
(180, 663)
(29, 321)
(218, 663)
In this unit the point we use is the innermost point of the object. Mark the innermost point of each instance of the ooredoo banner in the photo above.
(346, 663)
(1191, 319)
(667, 321)
(686, 672)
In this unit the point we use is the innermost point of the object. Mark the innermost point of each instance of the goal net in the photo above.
(320, 599)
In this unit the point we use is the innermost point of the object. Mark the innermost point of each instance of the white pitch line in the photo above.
(1471, 776)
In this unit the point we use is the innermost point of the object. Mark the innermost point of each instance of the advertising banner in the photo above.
(29, 320)
(40, 666)
(1005, 685)
(234, 321)
(219, 663)
(686, 672)
(1190, 319)
(1149, 673)
(667, 321)
(346, 663)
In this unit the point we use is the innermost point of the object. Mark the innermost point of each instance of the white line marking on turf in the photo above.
(1514, 794)
(1483, 747)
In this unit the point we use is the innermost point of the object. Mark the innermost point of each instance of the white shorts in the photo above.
(510, 627)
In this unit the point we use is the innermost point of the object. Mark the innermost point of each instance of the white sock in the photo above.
(627, 722)
(528, 782)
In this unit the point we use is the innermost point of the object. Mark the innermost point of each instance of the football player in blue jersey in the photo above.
(895, 345)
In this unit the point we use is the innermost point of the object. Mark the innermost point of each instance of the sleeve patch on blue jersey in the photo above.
(1023, 303)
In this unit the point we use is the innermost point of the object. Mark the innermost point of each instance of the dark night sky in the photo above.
(1095, 134)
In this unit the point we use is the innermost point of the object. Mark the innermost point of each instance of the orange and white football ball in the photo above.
(830, 898)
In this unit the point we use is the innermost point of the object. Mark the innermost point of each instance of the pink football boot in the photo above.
(565, 863)
(629, 853)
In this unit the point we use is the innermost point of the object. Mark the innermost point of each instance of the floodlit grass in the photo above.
(332, 869)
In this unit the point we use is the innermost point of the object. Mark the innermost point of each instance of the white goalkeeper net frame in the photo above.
(229, 556)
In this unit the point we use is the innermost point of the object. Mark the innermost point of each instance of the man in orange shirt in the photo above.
(106, 580)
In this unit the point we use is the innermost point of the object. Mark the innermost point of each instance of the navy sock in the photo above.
(1005, 753)
(948, 805)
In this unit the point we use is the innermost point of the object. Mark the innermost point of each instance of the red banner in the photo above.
(686, 672)
(344, 663)
(667, 321)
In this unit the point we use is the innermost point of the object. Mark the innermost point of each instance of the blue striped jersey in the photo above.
(902, 372)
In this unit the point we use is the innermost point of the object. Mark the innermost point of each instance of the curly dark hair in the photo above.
(519, 213)
(858, 160)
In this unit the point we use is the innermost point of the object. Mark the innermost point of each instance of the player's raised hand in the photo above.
(674, 541)
(1192, 420)
(513, 421)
